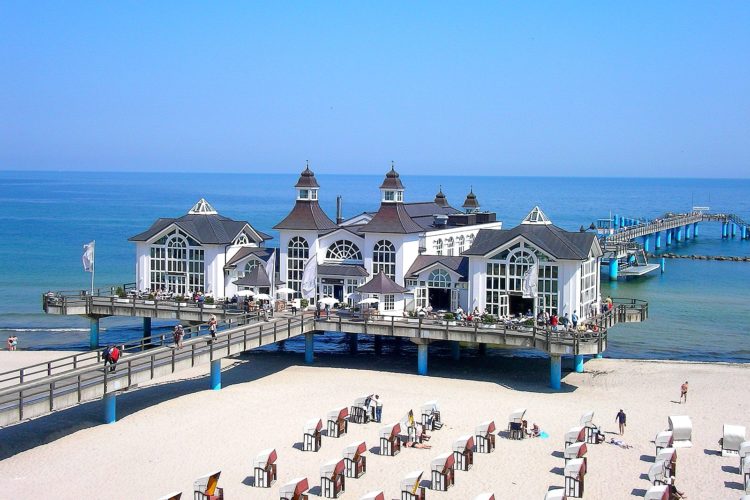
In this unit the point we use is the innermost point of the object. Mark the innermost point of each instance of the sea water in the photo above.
(696, 309)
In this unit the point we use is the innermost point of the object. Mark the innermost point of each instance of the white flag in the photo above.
(271, 268)
(310, 277)
(88, 257)
(530, 279)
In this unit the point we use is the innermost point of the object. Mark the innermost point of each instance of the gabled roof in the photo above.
(392, 218)
(457, 264)
(353, 270)
(206, 227)
(557, 242)
(306, 215)
(260, 252)
(536, 216)
(381, 284)
(256, 277)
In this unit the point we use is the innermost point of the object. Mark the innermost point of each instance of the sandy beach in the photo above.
(173, 431)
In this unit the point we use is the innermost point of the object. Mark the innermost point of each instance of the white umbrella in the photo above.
(371, 300)
(263, 296)
(328, 301)
(245, 293)
(284, 290)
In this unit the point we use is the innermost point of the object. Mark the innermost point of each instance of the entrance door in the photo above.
(502, 306)
(440, 299)
(421, 297)
(454, 299)
(338, 292)
(176, 283)
(327, 290)
(519, 305)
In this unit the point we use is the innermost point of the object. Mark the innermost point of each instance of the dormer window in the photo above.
(307, 194)
(389, 195)
(313, 194)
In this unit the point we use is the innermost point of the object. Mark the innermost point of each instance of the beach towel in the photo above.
(543, 435)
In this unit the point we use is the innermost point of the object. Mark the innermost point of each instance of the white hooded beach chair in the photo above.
(360, 410)
(177, 495)
(744, 453)
(463, 452)
(264, 468)
(575, 450)
(658, 492)
(431, 415)
(575, 472)
(337, 423)
(669, 457)
(663, 440)
(485, 496)
(207, 487)
(485, 437)
(745, 471)
(682, 431)
(410, 488)
(515, 424)
(556, 494)
(587, 421)
(657, 473)
(296, 489)
(409, 426)
(390, 445)
(443, 473)
(734, 436)
(332, 482)
(575, 435)
(311, 439)
(355, 463)
(373, 495)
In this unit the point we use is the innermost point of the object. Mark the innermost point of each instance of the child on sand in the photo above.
(683, 392)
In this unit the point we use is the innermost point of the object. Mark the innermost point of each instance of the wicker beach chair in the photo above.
(264, 468)
(575, 473)
(443, 472)
(311, 439)
(359, 412)
(734, 436)
(296, 489)
(177, 495)
(431, 415)
(556, 494)
(390, 445)
(745, 471)
(207, 487)
(463, 452)
(485, 496)
(669, 457)
(332, 481)
(587, 421)
(663, 440)
(657, 473)
(575, 435)
(337, 423)
(485, 437)
(658, 492)
(575, 450)
(355, 463)
(410, 488)
(515, 424)
(744, 453)
(682, 431)
(373, 495)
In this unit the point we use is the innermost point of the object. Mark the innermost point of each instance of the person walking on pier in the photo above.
(621, 419)
(177, 335)
(114, 355)
(212, 327)
(574, 320)
(683, 392)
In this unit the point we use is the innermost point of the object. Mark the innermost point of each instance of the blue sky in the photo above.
(496, 88)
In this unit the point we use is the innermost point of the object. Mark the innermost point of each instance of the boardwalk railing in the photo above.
(632, 232)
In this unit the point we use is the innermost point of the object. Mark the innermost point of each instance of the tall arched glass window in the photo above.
(297, 254)
(518, 263)
(461, 244)
(438, 245)
(252, 264)
(439, 278)
(384, 259)
(449, 246)
(343, 250)
(177, 264)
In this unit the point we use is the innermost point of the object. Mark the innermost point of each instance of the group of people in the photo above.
(111, 355)
(12, 342)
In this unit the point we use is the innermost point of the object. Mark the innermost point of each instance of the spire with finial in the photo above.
(392, 190)
(471, 204)
(440, 199)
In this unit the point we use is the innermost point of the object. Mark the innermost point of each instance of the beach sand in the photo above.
(173, 431)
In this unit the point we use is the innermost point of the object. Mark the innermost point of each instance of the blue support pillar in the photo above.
(353, 343)
(663, 264)
(309, 348)
(734, 229)
(679, 233)
(482, 349)
(422, 359)
(94, 333)
(724, 230)
(110, 408)
(615, 222)
(657, 241)
(647, 243)
(216, 374)
(613, 269)
(578, 363)
(670, 235)
(555, 372)
(456, 350)
(599, 355)
(695, 229)
(147, 328)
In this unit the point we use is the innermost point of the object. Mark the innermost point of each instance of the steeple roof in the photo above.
(471, 200)
(306, 214)
(307, 179)
(380, 283)
(392, 180)
(440, 199)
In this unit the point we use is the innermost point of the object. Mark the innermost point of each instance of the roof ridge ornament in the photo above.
(202, 208)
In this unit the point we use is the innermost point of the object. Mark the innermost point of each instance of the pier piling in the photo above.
(578, 363)
(147, 328)
(555, 371)
(110, 408)
(613, 269)
(353, 343)
(93, 332)
(309, 348)
(216, 374)
(422, 348)
(456, 351)
(657, 240)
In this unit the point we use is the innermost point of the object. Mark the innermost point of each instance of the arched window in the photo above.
(470, 240)
(252, 264)
(242, 240)
(518, 263)
(461, 242)
(439, 278)
(449, 246)
(438, 244)
(343, 250)
(384, 259)
(297, 254)
(177, 264)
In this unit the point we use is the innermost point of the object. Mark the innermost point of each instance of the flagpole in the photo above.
(93, 265)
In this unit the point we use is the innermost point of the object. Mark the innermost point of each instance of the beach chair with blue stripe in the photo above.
(207, 487)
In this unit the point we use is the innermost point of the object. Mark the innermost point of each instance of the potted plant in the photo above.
(449, 319)
(303, 303)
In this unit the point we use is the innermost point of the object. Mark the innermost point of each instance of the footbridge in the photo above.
(42, 389)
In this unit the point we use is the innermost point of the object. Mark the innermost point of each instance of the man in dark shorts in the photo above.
(621, 419)
(683, 392)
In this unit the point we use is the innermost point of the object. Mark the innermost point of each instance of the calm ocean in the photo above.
(697, 308)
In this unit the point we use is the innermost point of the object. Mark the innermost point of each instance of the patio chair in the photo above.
(669, 457)
(485, 437)
(575, 450)
(744, 453)
(264, 468)
(177, 495)
(332, 481)
(359, 412)
(410, 488)
(374, 495)
(296, 489)
(682, 431)
(587, 421)
(485, 496)
(575, 472)
(390, 445)
(575, 435)
(443, 473)
(515, 424)
(206, 487)
(658, 474)
(431, 415)
(311, 439)
(463, 452)
(663, 440)
(734, 436)
(658, 492)
(337, 422)
(556, 494)
(355, 463)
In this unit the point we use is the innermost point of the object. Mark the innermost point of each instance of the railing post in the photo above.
(51, 395)
(392, 327)
(419, 328)
(274, 331)
(153, 362)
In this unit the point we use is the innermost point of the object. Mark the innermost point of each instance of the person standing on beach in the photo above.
(12, 342)
(378, 408)
(683, 392)
(621, 419)
(212, 327)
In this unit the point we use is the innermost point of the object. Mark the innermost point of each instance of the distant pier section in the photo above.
(626, 242)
